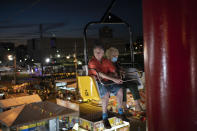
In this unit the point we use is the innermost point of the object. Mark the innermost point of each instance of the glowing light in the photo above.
(79, 63)
(58, 55)
(68, 57)
(47, 60)
(10, 57)
(68, 98)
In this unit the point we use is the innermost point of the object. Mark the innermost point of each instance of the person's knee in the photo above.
(120, 92)
(106, 96)
(105, 100)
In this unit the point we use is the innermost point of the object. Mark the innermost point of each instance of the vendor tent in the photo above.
(34, 112)
(17, 101)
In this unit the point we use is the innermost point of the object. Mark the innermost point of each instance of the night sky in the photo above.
(20, 19)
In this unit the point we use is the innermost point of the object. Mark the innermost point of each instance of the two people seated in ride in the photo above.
(102, 68)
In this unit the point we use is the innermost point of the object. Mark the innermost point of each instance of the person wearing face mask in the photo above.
(114, 59)
(100, 68)
(112, 54)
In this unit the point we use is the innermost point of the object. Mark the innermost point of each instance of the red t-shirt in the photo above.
(105, 66)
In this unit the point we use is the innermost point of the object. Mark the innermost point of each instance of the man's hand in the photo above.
(117, 81)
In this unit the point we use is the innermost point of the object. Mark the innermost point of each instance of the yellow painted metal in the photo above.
(88, 88)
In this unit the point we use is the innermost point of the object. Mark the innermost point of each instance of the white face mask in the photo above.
(114, 59)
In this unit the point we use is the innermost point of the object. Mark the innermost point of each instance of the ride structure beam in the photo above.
(170, 52)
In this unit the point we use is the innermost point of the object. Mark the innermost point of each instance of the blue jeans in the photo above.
(109, 88)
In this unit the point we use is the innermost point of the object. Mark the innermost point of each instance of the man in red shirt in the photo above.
(100, 68)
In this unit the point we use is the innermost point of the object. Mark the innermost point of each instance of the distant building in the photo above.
(50, 47)
(6, 48)
(60, 51)
(21, 55)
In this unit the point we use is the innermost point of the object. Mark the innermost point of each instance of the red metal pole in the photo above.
(170, 50)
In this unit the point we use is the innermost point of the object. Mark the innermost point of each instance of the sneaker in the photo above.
(123, 117)
(106, 124)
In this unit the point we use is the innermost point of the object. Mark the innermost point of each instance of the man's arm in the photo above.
(92, 68)
(115, 80)
(93, 71)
